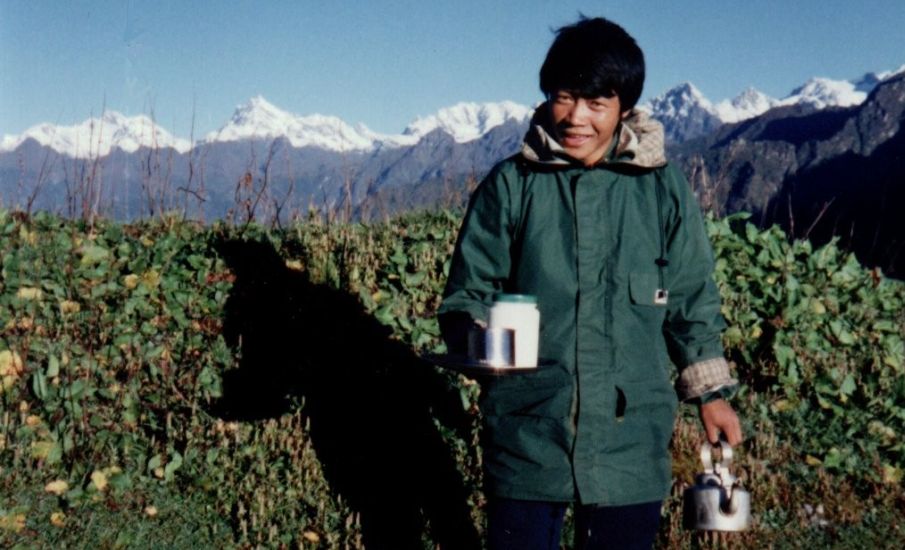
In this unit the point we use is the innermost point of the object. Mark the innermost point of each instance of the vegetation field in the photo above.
(168, 384)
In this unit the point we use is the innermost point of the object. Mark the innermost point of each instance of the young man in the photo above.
(590, 219)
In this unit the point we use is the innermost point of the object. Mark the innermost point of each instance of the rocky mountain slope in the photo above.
(818, 173)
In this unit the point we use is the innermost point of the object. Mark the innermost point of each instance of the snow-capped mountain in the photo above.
(818, 173)
(259, 119)
(825, 92)
(688, 113)
(747, 104)
(438, 157)
(684, 112)
(97, 136)
(469, 121)
(683, 100)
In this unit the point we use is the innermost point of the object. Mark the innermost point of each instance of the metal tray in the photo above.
(473, 369)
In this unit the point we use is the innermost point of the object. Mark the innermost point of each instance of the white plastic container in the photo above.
(518, 312)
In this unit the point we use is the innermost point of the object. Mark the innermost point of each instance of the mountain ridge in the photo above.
(818, 173)
(818, 170)
(683, 110)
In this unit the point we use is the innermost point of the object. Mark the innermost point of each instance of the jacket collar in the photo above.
(639, 142)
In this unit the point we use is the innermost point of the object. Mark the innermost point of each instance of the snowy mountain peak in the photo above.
(258, 110)
(684, 111)
(684, 96)
(826, 92)
(469, 121)
(98, 136)
(679, 101)
(749, 96)
(885, 75)
(748, 104)
(688, 91)
(260, 119)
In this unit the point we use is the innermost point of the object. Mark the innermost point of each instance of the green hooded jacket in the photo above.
(594, 245)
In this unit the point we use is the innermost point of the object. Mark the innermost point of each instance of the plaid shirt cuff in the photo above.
(704, 377)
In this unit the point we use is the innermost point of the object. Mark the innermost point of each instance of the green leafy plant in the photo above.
(112, 351)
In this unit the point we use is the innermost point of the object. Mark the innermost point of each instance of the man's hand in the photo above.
(718, 416)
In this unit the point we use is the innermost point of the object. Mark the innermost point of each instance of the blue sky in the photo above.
(384, 63)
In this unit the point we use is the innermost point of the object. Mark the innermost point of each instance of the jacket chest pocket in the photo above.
(644, 290)
(638, 324)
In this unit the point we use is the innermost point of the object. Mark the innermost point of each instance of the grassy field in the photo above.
(167, 384)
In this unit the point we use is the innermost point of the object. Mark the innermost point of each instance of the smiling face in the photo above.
(584, 127)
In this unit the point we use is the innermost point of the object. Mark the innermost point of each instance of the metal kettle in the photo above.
(717, 502)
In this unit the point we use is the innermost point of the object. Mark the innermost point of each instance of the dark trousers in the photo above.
(530, 525)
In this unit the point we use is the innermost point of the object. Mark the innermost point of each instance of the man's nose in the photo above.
(578, 114)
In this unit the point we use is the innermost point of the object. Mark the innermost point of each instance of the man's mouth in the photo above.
(574, 140)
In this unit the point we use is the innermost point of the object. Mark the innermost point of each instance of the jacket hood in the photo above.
(639, 142)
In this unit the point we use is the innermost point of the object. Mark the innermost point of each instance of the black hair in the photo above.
(594, 58)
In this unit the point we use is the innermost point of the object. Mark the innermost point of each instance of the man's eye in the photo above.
(598, 105)
(563, 98)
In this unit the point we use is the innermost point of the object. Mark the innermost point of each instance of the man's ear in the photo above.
(625, 114)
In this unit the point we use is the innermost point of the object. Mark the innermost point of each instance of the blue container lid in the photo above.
(515, 298)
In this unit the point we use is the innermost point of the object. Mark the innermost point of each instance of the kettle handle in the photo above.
(707, 458)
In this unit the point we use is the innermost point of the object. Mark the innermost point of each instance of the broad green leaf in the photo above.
(53, 366)
(93, 254)
(154, 462)
(848, 386)
(39, 385)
